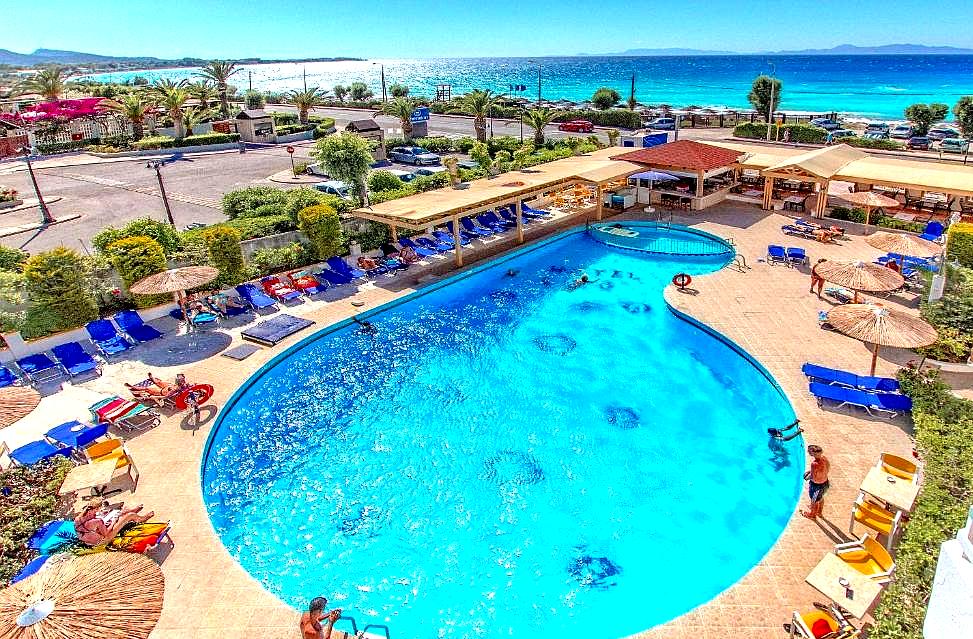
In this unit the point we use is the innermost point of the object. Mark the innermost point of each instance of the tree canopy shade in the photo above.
(479, 103)
(605, 98)
(537, 119)
(346, 157)
(305, 101)
(760, 95)
(924, 116)
(48, 82)
(963, 111)
(220, 71)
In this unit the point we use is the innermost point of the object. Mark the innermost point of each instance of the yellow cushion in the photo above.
(101, 449)
(875, 517)
(861, 561)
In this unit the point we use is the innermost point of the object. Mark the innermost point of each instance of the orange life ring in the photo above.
(682, 280)
(199, 394)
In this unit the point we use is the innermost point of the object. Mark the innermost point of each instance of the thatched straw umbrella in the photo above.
(903, 244)
(17, 402)
(860, 276)
(175, 281)
(870, 200)
(880, 326)
(100, 596)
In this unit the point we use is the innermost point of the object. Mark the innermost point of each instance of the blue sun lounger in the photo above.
(106, 339)
(7, 378)
(436, 245)
(333, 278)
(507, 213)
(496, 220)
(473, 228)
(338, 265)
(39, 368)
(891, 403)
(447, 238)
(74, 359)
(791, 229)
(776, 254)
(34, 452)
(796, 255)
(255, 297)
(135, 327)
(933, 231)
(839, 377)
(421, 251)
(31, 568)
(532, 212)
(491, 224)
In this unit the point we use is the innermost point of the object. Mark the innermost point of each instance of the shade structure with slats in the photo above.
(16, 402)
(903, 244)
(881, 326)
(174, 280)
(860, 276)
(107, 595)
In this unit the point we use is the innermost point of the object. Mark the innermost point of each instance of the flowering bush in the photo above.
(7, 194)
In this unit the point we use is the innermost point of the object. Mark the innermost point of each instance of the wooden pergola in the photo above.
(818, 166)
(433, 208)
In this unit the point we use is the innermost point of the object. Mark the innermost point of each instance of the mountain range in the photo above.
(55, 56)
(842, 49)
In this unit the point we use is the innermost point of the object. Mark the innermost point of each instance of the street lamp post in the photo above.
(157, 165)
(538, 79)
(381, 67)
(46, 216)
(770, 120)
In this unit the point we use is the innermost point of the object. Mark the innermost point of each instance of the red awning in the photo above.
(685, 155)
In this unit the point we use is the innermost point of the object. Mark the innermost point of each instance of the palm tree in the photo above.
(196, 116)
(48, 82)
(537, 119)
(402, 109)
(479, 104)
(172, 97)
(305, 101)
(219, 71)
(204, 92)
(133, 108)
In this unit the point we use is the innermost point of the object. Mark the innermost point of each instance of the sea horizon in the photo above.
(867, 86)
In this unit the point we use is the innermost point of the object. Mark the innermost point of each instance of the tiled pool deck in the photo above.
(766, 309)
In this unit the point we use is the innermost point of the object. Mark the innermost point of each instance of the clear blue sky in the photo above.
(447, 28)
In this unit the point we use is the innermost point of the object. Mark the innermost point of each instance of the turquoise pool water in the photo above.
(508, 456)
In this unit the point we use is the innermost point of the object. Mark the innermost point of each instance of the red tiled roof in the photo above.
(682, 154)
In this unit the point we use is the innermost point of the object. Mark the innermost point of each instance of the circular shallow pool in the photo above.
(509, 454)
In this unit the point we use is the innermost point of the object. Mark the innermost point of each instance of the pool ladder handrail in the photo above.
(361, 633)
(739, 260)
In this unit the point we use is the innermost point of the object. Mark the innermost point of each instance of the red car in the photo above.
(577, 126)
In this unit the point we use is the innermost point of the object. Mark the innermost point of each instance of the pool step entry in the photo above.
(360, 634)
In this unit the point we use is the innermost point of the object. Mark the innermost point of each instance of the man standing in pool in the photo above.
(817, 479)
(311, 621)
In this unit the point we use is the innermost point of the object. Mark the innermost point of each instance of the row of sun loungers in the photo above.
(788, 256)
(870, 393)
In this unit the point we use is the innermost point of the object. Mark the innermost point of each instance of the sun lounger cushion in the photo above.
(255, 296)
(52, 535)
(844, 378)
(34, 452)
(886, 402)
(6, 377)
(133, 325)
(74, 358)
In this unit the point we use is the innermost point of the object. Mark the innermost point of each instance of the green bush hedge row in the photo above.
(878, 219)
(868, 143)
(942, 423)
(249, 227)
(959, 244)
(50, 148)
(164, 142)
(617, 118)
(803, 133)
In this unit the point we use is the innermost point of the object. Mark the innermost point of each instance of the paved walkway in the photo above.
(765, 309)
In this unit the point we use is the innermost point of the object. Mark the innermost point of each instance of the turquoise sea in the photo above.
(867, 86)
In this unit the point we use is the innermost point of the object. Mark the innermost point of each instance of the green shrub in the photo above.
(58, 292)
(223, 246)
(952, 316)
(439, 144)
(275, 260)
(323, 127)
(322, 227)
(430, 182)
(464, 144)
(282, 118)
(869, 143)
(245, 202)
(383, 181)
(247, 227)
(617, 118)
(506, 143)
(287, 129)
(165, 142)
(371, 237)
(12, 259)
(605, 98)
(378, 197)
(942, 423)
(254, 99)
(135, 258)
(876, 218)
(161, 232)
(959, 244)
(50, 148)
(803, 133)
(28, 501)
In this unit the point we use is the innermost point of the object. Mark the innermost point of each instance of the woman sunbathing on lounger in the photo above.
(99, 523)
(367, 263)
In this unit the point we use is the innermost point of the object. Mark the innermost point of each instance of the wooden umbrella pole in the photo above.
(875, 348)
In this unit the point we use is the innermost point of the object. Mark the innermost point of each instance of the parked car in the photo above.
(334, 187)
(430, 170)
(918, 143)
(942, 132)
(837, 134)
(662, 124)
(405, 176)
(876, 135)
(576, 126)
(413, 155)
(901, 131)
(825, 123)
(880, 127)
(316, 169)
(468, 164)
(954, 145)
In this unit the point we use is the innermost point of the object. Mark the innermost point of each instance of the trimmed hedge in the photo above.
(50, 148)
(868, 143)
(803, 133)
(58, 291)
(275, 260)
(878, 219)
(135, 258)
(165, 142)
(617, 118)
(942, 423)
(322, 226)
(287, 129)
(247, 227)
(959, 244)
(223, 248)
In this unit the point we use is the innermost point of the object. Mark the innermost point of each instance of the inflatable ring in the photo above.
(682, 280)
(198, 394)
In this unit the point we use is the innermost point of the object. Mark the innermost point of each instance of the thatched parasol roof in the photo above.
(903, 244)
(100, 596)
(175, 280)
(860, 276)
(880, 325)
(870, 200)
(17, 402)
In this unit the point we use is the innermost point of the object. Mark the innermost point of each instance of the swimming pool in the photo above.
(506, 455)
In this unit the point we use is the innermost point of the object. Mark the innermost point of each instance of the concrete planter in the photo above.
(295, 137)
(9, 204)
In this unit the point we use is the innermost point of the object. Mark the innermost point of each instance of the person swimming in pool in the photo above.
(581, 281)
(779, 433)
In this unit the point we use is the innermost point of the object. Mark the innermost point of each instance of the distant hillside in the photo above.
(53, 56)
(843, 49)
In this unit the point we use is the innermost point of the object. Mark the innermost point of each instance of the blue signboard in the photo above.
(420, 115)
